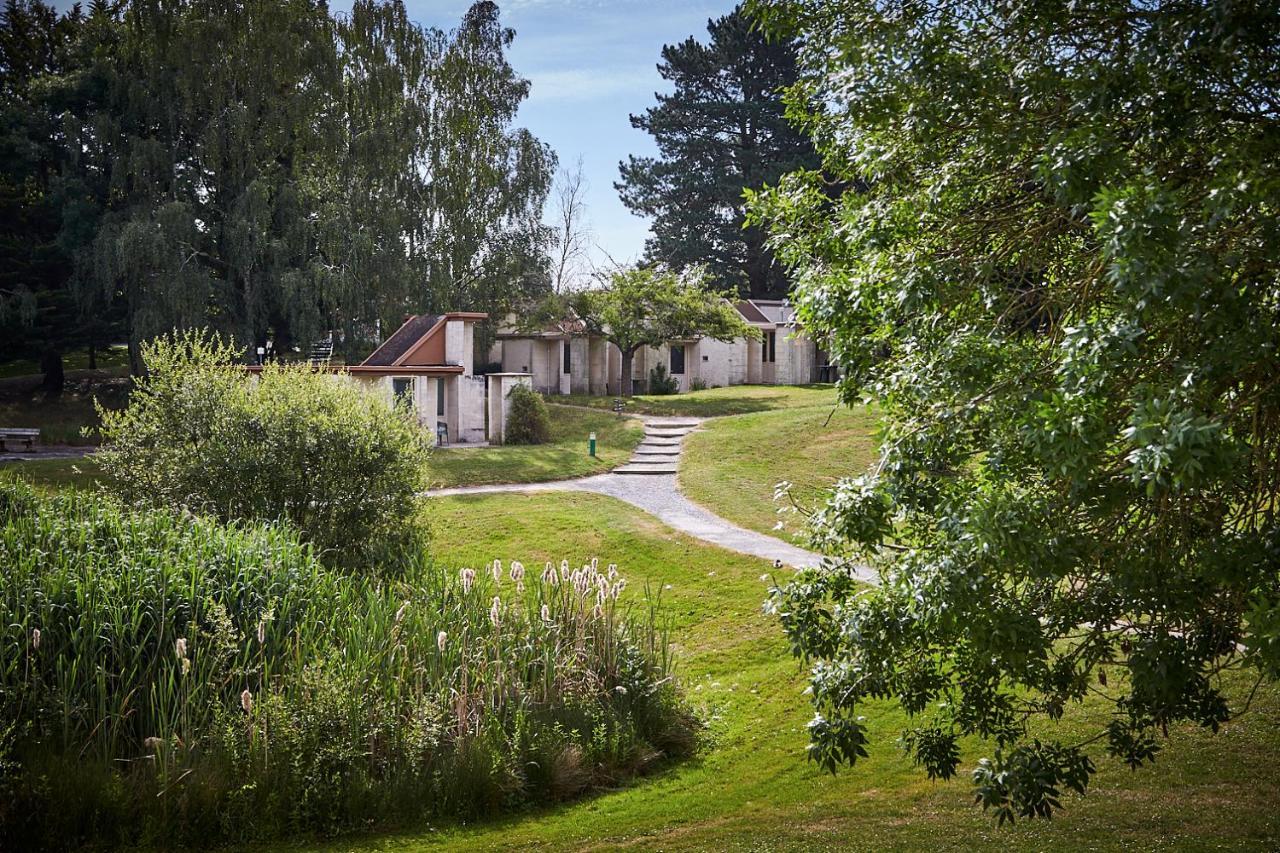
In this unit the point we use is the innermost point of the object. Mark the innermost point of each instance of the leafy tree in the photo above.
(268, 169)
(721, 130)
(339, 464)
(649, 306)
(39, 314)
(1060, 281)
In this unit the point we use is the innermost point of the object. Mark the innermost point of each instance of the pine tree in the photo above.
(721, 131)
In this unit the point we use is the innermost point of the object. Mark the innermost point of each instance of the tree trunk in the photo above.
(624, 381)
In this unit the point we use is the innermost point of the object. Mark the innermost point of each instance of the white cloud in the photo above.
(587, 84)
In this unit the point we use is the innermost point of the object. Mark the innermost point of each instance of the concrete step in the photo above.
(675, 435)
(674, 453)
(672, 424)
(646, 468)
(660, 441)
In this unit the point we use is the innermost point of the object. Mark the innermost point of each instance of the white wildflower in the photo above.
(546, 613)
(441, 638)
(497, 571)
(180, 647)
(35, 639)
(620, 690)
(468, 577)
(246, 701)
(495, 611)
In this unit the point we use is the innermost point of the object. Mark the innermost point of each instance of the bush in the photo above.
(527, 418)
(698, 384)
(172, 680)
(660, 383)
(342, 466)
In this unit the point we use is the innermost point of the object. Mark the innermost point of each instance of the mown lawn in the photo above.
(566, 455)
(54, 474)
(715, 402)
(732, 465)
(750, 788)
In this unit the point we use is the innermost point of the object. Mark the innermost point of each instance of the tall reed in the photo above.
(168, 678)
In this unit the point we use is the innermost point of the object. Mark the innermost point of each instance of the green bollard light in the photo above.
(592, 444)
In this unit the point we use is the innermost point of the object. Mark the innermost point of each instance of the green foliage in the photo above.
(173, 681)
(527, 418)
(650, 306)
(721, 130)
(271, 169)
(1054, 266)
(661, 383)
(290, 444)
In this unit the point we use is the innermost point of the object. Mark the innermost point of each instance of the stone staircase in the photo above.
(659, 452)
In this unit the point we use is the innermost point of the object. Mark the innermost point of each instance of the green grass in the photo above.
(109, 358)
(715, 402)
(566, 455)
(732, 465)
(50, 475)
(751, 787)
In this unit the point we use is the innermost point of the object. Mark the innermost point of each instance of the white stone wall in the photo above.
(471, 399)
(718, 363)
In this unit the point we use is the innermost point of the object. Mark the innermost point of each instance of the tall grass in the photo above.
(166, 678)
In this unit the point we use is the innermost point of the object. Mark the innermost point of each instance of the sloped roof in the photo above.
(402, 341)
(750, 312)
(776, 311)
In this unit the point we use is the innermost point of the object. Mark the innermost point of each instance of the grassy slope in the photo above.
(714, 402)
(54, 474)
(732, 465)
(751, 788)
(565, 456)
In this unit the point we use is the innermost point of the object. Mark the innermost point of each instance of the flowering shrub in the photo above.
(172, 679)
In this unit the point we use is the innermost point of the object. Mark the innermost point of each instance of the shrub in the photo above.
(698, 384)
(661, 383)
(341, 465)
(527, 418)
(169, 679)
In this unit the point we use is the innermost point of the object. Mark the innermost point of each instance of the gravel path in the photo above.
(659, 495)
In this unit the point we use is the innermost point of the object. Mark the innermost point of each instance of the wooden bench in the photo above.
(24, 434)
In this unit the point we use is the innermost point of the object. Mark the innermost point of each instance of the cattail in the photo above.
(613, 571)
(497, 571)
(495, 611)
(618, 587)
(440, 640)
(546, 613)
(468, 579)
(262, 632)
(595, 563)
(35, 639)
(180, 648)
(186, 666)
(549, 575)
(246, 701)
(564, 570)
(517, 574)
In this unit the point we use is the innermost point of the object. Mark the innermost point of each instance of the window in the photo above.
(769, 347)
(402, 391)
(677, 359)
(440, 397)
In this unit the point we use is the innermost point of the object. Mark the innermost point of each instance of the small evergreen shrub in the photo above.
(527, 418)
(340, 465)
(661, 383)
(170, 680)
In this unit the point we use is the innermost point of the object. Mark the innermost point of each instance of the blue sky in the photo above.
(591, 63)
